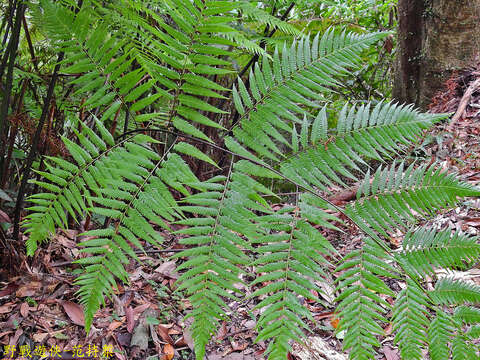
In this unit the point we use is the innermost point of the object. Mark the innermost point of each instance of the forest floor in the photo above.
(146, 319)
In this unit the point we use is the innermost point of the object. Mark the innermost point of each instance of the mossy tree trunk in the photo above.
(435, 38)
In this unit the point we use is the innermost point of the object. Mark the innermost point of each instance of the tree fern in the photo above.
(167, 65)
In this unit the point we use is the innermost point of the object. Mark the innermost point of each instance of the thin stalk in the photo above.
(13, 45)
(30, 45)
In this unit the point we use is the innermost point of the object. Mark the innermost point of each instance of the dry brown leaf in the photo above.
(4, 217)
(222, 332)
(163, 332)
(334, 321)
(115, 324)
(168, 352)
(180, 342)
(29, 289)
(39, 337)
(6, 308)
(167, 269)
(9, 289)
(130, 318)
(140, 309)
(74, 312)
(187, 336)
(238, 346)
(388, 329)
(24, 309)
(390, 354)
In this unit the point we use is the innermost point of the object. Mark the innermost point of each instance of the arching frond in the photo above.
(361, 306)
(424, 250)
(410, 321)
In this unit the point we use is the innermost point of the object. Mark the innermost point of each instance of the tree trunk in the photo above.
(435, 38)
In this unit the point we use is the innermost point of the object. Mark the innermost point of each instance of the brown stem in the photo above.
(30, 45)
(12, 45)
(13, 135)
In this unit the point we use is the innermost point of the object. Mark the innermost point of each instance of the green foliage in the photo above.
(166, 67)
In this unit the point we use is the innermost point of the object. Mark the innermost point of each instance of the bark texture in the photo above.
(435, 38)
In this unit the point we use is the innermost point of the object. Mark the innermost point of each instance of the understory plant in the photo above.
(170, 135)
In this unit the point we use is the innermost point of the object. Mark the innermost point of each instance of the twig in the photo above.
(463, 103)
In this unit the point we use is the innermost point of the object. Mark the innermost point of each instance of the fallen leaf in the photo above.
(390, 354)
(9, 289)
(187, 336)
(168, 352)
(140, 309)
(163, 332)
(237, 346)
(130, 318)
(140, 335)
(334, 321)
(167, 269)
(4, 217)
(388, 329)
(222, 332)
(29, 289)
(115, 324)
(317, 348)
(39, 337)
(180, 342)
(74, 312)
(24, 309)
(6, 308)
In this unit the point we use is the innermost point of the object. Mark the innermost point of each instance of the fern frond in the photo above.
(410, 321)
(462, 348)
(325, 159)
(146, 200)
(181, 56)
(224, 209)
(361, 306)
(291, 257)
(387, 200)
(70, 184)
(450, 291)
(281, 89)
(102, 59)
(253, 12)
(425, 249)
(439, 332)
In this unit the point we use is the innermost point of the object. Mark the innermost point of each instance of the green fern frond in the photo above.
(224, 209)
(181, 56)
(463, 349)
(410, 321)
(439, 332)
(326, 159)
(293, 80)
(467, 314)
(70, 184)
(102, 59)
(291, 257)
(146, 200)
(361, 306)
(424, 249)
(450, 291)
(387, 200)
(253, 12)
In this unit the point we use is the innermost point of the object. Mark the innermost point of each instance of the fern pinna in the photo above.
(164, 67)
